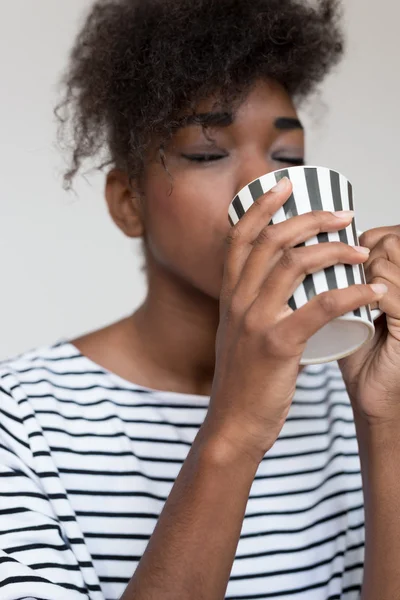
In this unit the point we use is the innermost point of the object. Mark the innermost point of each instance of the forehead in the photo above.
(266, 105)
(265, 96)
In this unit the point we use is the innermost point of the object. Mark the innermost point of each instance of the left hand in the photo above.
(372, 374)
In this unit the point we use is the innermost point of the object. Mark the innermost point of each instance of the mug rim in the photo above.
(318, 361)
(287, 169)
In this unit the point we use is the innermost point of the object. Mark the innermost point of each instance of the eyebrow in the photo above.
(288, 123)
(224, 119)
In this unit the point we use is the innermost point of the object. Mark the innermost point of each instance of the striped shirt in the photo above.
(88, 460)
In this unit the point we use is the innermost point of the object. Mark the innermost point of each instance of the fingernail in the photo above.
(344, 214)
(362, 249)
(380, 288)
(281, 185)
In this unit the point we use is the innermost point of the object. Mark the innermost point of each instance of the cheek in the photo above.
(186, 230)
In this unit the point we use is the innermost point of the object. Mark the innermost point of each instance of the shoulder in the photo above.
(59, 380)
(20, 376)
(34, 366)
(34, 378)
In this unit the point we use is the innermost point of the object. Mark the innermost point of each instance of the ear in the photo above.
(124, 204)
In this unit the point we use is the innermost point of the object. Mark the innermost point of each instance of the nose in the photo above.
(252, 168)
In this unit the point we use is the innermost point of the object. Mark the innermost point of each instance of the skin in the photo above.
(184, 234)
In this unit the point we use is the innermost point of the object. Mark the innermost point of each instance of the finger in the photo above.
(323, 308)
(382, 270)
(274, 240)
(240, 237)
(388, 249)
(295, 264)
(372, 237)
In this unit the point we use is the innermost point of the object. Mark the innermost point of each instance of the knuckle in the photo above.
(259, 201)
(278, 345)
(266, 236)
(390, 241)
(365, 239)
(360, 291)
(235, 309)
(343, 250)
(270, 344)
(288, 260)
(317, 216)
(234, 235)
(251, 324)
(377, 266)
(327, 302)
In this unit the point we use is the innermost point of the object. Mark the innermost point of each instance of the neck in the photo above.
(167, 344)
(176, 331)
(177, 334)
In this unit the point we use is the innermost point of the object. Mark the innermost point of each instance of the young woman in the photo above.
(181, 452)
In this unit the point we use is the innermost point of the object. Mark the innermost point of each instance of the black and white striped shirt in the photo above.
(88, 459)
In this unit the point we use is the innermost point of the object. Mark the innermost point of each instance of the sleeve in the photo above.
(36, 561)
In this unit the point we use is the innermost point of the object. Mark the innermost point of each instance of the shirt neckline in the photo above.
(166, 395)
(125, 383)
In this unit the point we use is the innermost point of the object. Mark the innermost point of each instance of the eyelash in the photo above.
(201, 158)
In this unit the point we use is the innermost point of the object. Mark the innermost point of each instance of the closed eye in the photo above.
(203, 157)
(295, 162)
(213, 157)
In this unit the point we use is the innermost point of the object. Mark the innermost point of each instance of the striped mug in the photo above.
(318, 188)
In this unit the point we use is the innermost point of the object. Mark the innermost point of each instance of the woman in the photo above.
(182, 452)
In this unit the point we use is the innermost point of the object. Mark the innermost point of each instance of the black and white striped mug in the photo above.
(318, 188)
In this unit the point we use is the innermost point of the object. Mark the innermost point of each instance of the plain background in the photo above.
(65, 267)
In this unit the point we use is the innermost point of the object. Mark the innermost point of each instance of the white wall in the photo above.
(65, 268)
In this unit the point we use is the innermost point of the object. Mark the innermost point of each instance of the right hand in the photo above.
(260, 340)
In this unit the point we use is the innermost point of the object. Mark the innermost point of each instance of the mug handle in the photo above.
(376, 312)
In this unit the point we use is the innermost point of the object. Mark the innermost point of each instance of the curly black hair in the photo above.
(139, 66)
